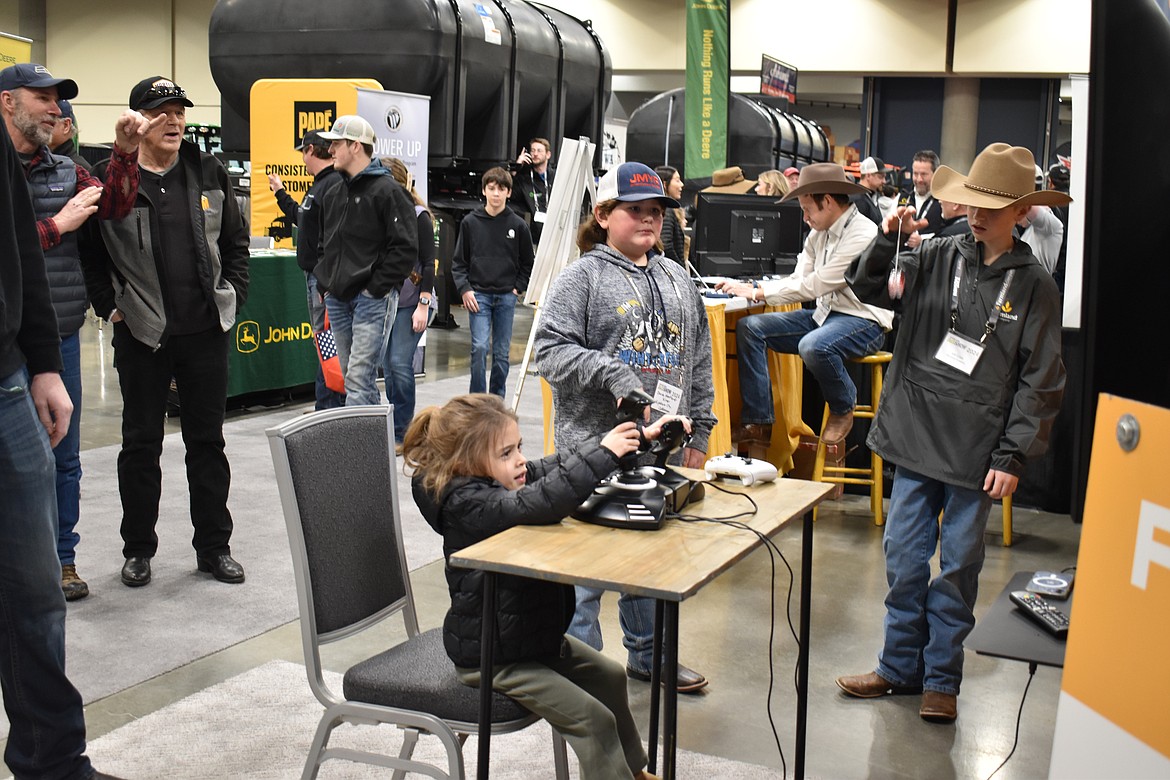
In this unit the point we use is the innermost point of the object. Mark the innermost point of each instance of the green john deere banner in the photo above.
(708, 63)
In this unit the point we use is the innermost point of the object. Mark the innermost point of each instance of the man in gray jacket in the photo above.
(173, 278)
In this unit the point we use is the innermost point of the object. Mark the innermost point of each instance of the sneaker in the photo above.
(72, 586)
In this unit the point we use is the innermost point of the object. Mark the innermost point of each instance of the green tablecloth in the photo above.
(272, 343)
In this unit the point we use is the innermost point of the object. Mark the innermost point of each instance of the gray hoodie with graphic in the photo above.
(608, 327)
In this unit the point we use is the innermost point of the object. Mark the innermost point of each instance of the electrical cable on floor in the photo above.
(773, 550)
(1019, 717)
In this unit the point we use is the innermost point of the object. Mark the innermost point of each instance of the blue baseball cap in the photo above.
(630, 182)
(66, 109)
(30, 74)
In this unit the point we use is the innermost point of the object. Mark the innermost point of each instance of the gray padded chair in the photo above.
(336, 474)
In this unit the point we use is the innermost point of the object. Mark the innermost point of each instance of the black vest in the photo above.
(52, 182)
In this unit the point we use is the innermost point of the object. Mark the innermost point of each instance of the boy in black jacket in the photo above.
(491, 266)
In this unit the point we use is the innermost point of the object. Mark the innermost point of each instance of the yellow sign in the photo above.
(283, 110)
(14, 50)
(1119, 637)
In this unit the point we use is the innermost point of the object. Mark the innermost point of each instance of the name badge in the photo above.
(822, 312)
(538, 216)
(667, 398)
(960, 352)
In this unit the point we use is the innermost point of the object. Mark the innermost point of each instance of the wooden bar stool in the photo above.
(845, 475)
(1007, 521)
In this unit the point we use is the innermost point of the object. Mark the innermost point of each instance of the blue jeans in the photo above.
(636, 615)
(67, 453)
(326, 398)
(927, 620)
(398, 368)
(824, 350)
(361, 329)
(494, 321)
(47, 735)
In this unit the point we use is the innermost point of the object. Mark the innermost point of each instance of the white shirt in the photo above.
(821, 268)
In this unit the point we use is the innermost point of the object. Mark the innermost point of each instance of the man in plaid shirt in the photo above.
(64, 196)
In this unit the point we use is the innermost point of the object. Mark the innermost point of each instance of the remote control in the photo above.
(1047, 616)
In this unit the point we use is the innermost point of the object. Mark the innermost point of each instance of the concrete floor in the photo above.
(725, 634)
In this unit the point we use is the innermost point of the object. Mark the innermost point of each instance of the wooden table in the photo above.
(669, 565)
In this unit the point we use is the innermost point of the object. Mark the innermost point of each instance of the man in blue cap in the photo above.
(64, 196)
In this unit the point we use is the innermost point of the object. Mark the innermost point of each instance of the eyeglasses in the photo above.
(172, 92)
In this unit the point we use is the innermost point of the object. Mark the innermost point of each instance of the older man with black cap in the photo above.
(318, 161)
(64, 196)
(841, 327)
(173, 275)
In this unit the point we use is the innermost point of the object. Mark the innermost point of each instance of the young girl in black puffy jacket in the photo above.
(471, 481)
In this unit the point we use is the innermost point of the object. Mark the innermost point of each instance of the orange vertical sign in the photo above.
(1119, 638)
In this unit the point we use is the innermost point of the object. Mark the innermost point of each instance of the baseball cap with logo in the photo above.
(631, 182)
(872, 165)
(66, 109)
(312, 138)
(152, 92)
(350, 128)
(29, 74)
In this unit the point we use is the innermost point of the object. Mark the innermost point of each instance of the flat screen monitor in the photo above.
(746, 235)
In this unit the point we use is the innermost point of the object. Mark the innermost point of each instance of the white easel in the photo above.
(558, 240)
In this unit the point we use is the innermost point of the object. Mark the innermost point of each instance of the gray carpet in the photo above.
(121, 636)
(259, 725)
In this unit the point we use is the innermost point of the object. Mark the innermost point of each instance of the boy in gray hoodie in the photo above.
(625, 317)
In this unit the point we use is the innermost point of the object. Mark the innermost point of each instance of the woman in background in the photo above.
(675, 243)
(414, 309)
(772, 184)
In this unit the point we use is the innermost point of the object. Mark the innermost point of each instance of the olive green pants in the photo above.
(582, 694)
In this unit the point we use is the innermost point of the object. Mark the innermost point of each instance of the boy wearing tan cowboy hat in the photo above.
(972, 391)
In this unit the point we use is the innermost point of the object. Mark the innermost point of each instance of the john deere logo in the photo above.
(248, 336)
(394, 118)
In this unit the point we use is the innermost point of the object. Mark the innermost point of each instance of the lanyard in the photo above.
(993, 318)
(825, 254)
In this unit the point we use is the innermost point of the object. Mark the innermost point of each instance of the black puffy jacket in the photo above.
(532, 616)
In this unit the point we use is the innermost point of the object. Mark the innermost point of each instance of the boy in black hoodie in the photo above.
(491, 266)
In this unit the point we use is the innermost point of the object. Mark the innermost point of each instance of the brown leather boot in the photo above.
(871, 685)
(939, 707)
(837, 427)
(72, 586)
(752, 433)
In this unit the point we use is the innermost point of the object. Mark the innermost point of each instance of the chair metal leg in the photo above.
(320, 742)
(409, 740)
(560, 756)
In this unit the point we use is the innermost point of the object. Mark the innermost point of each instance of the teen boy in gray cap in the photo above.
(370, 243)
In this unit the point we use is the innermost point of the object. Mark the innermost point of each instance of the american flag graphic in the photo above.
(326, 345)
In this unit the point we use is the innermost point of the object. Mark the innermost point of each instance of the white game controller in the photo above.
(749, 471)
